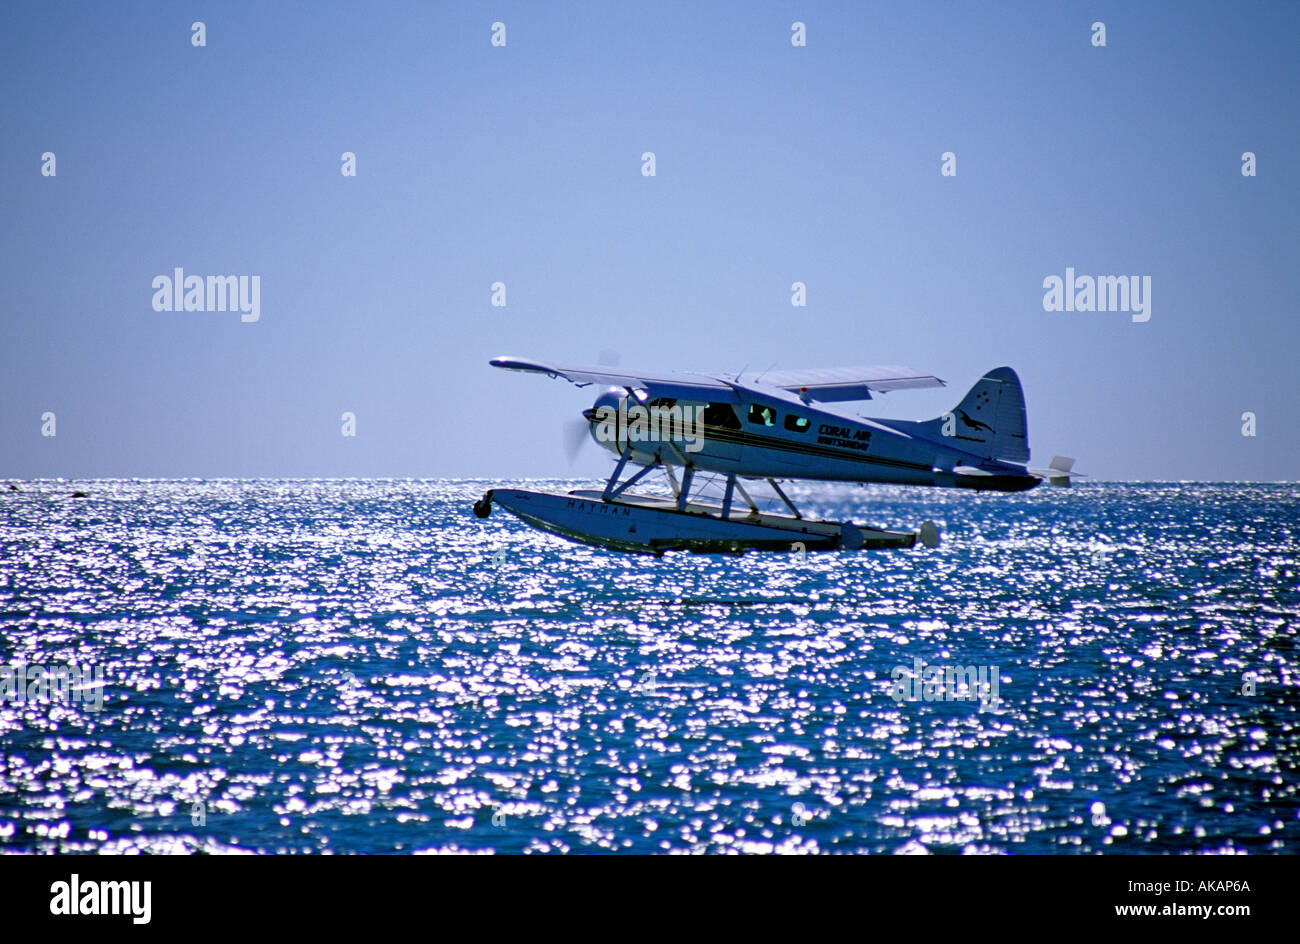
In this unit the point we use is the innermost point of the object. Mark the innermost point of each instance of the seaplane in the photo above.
(770, 426)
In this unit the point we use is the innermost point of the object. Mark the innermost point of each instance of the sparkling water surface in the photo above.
(364, 666)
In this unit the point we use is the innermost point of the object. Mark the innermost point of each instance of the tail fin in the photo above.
(990, 420)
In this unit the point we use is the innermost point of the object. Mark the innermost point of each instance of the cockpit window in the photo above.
(762, 415)
(721, 414)
(796, 423)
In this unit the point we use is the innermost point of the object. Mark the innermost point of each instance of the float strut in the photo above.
(726, 495)
(638, 476)
(753, 509)
(672, 480)
(688, 473)
(789, 504)
(618, 470)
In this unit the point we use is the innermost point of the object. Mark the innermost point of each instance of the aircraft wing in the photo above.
(680, 384)
(826, 384)
(839, 384)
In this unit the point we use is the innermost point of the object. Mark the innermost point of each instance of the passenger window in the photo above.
(796, 423)
(721, 415)
(762, 415)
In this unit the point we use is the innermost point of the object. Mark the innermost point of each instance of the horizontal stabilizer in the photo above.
(1059, 472)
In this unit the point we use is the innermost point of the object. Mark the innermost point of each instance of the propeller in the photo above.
(575, 437)
(576, 432)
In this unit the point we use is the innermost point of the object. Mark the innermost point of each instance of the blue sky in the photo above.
(522, 164)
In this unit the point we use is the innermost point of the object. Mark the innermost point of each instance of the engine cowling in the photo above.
(606, 419)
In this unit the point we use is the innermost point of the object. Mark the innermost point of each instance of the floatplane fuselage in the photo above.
(785, 437)
(776, 426)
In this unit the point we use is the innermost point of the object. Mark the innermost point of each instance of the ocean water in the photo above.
(364, 666)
